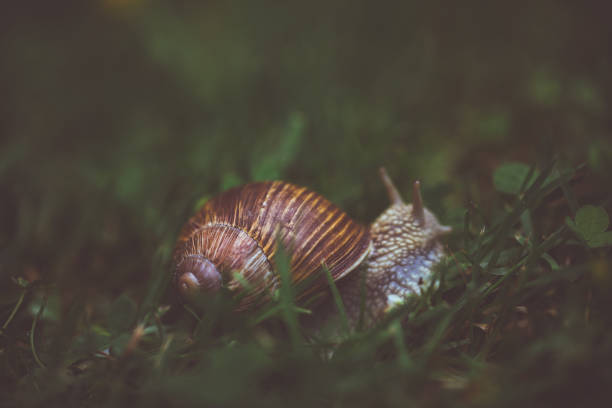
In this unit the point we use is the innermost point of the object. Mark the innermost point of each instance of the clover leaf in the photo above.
(590, 224)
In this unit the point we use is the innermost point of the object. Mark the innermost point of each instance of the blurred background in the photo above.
(117, 117)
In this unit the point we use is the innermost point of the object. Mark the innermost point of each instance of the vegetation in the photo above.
(120, 117)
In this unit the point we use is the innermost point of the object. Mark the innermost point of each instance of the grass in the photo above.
(123, 117)
(507, 322)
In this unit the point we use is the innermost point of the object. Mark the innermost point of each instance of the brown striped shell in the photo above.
(238, 230)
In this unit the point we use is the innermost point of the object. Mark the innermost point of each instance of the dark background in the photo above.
(118, 117)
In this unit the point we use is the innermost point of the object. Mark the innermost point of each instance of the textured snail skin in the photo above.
(400, 263)
(238, 232)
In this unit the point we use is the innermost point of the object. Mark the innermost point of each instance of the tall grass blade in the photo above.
(337, 298)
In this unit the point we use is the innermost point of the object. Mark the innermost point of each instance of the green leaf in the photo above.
(601, 239)
(510, 177)
(590, 224)
(591, 220)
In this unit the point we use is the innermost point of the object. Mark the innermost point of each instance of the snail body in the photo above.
(234, 238)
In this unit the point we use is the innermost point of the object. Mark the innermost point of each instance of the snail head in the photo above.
(414, 215)
(406, 243)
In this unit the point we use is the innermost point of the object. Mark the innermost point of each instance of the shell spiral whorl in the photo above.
(197, 272)
(238, 230)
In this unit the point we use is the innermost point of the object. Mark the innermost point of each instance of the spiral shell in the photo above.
(238, 232)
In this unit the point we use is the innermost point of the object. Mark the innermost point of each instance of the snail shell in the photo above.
(238, 232)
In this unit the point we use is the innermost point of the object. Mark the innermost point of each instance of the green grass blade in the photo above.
(287, 297)
(337, 299)
(33, 332)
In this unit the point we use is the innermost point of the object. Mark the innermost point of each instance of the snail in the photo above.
(233, 240)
